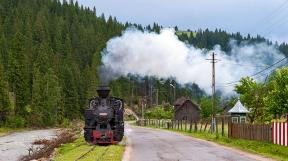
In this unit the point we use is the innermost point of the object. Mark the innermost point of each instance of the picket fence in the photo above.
(280, 133)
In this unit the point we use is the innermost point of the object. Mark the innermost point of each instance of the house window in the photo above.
(234, 119)
(242, 119)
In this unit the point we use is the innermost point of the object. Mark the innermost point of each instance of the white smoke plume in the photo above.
(164, 56)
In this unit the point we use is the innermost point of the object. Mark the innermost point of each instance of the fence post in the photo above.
(177, 124)
(216, 124)
(195, 126)
(222, 122)
(174, 124)
(229, 129)
(190, 128)
(185, 125)
(206, 123)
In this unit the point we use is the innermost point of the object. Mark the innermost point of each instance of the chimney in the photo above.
(103, 91)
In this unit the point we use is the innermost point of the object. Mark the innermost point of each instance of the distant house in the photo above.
(185, 109)
(238, 113)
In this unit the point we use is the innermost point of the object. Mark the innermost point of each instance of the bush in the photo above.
(16, 122)
(159, 112)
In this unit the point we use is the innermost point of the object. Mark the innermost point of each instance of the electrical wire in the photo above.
(246, 65)
(273, 15)
(255, 74)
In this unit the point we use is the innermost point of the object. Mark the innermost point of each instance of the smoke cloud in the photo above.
(164, 56)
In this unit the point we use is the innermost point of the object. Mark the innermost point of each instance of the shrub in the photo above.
(159, 112)
(16, 122)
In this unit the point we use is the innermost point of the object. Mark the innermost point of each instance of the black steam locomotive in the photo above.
(104, 119)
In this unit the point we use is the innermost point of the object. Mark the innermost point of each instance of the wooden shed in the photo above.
(185, 109)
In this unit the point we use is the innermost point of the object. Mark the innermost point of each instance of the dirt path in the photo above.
(15, 145)
(146, 144)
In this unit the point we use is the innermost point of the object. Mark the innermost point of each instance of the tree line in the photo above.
(49, 54)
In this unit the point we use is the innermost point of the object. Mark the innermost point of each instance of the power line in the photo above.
(259, 72)
(269, 67)
(246, 65)
(278, 23)
(235, 82)
(277, 11)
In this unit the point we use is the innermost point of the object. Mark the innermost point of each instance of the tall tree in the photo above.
(252, 95)
(4, 97)
(277, 98)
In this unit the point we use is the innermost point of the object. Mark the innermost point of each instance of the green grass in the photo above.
(7, 130)
(264, 148)
(72, 151)
(186, 32)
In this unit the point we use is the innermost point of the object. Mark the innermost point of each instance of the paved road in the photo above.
(158, 145)
(15, 145)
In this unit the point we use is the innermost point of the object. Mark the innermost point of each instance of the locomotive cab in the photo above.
(104, 119)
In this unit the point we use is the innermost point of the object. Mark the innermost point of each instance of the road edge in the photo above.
(128, 149)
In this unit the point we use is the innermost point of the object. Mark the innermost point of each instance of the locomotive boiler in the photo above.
(104, 118)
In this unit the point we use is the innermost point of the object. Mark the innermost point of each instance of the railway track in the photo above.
(98, 159)
(89, 151)
(84, 154)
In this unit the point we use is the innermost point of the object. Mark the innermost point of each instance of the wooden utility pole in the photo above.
(143, 105)
(157, 97)
(213, 121)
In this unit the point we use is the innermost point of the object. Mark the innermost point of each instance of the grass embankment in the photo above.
(264, 148)
(7, 130)
(74, 150)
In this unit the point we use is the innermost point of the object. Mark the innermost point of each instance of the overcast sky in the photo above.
(268, 18)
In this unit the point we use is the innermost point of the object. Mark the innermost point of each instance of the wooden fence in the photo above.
(185, 125)
(276, 133)
(250, 131)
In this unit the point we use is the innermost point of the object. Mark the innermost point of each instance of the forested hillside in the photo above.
(49, 58)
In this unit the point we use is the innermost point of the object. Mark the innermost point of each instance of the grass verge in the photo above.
(263, 148)
(72, 151)
(7, 130)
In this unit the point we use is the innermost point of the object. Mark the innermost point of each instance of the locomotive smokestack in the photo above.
(103, 91)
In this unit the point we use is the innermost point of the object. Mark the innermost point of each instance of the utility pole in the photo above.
(151, 92)
(143, 105)
(174, 91)
(213, 121)
(157, 96)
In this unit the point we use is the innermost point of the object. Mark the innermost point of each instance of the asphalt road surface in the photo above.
(15, 145)
(144, 144)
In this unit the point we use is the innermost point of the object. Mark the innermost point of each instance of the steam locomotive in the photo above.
(104, 119)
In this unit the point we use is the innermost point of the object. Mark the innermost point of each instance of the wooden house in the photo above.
(185, 109)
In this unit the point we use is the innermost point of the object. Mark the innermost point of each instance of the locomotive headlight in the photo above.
(103, 114)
